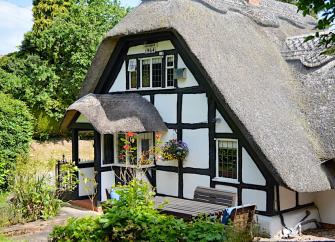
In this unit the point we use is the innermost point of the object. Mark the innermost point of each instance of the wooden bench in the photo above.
(242, 217)
(215, 196)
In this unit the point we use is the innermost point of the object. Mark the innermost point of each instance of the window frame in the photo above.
(141, 66)
(139, 137)
(102, 142)
(167, 68)
(129, 73)
(227, 179)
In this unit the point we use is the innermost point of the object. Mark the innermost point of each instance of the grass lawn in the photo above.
(5, 239)
(3, 199)
(55, 149)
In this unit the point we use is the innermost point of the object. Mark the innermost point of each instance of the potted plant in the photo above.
(175, 150)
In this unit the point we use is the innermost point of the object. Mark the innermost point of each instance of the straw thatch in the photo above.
(117, 113)
(240, 47)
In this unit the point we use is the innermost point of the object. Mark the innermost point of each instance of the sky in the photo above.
(16, 19)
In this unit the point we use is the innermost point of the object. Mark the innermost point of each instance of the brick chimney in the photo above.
(254, 2)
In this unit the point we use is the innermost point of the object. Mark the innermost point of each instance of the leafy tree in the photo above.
(70, 42)
(325, 9)
(16, 129)
(44, 11)
(48, 71)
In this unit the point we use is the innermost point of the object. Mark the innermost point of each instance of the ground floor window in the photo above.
(227, 156)
(85, 147)
(130, 149)
(108, 149)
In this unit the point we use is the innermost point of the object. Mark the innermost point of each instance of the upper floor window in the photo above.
(151, 72)
(170, 70)
(227, 156)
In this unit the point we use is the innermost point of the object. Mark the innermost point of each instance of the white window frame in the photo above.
(139, 142)
(129, 75)
(226, 179)
(168, 67)
(102, 146)
(141, 61)
(139, 138)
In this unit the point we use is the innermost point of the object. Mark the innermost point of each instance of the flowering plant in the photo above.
(174, 150)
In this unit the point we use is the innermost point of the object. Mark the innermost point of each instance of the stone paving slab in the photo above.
(39, 230)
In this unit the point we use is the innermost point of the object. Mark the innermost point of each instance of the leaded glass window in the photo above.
(227, 158)
(146, 63)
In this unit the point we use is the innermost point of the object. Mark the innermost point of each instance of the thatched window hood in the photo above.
(109, 114)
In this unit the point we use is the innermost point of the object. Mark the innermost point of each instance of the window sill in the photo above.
(149, 89)
(227, 180)
(132, 166)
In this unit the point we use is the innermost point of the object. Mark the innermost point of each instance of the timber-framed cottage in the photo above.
(225, 77)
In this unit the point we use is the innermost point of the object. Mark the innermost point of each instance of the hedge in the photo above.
(16, 130)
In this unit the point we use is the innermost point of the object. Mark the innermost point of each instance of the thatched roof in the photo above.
(240, 47)
(116, 113)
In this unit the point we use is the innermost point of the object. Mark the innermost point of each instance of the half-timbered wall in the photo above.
(192, 115)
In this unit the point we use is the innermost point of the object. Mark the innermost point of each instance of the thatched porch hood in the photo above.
(278, 104)
(110, 114)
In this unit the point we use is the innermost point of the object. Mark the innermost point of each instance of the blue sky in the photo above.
(16, 19)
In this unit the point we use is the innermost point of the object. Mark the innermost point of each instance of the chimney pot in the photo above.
(254, 2)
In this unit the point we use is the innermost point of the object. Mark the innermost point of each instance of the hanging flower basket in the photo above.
(175, 150)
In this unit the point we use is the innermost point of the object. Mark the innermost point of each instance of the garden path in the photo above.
(39, 230)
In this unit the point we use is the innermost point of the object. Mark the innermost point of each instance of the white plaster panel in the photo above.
(195, 108)
(107, 182)
(226, 188)
(250, 172)
(221, 126)
(287, 198)
(197, 142)
(191, 181)
(140, 175)
(167, 183)
(325, 201)
(273, 227)
(166, 104)
(166, 136)
(86, 188)
(306, 197)
(250, 196)
(120, 81)
(147, 97)
(162, 45)
(190, 80)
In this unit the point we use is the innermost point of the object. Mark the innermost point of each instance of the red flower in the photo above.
(158, 136)
(126, 147)
(130, 134)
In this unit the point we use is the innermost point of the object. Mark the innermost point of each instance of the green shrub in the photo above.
(16, 130)
(45, 126)
(79, 229)
(33, 194)
(134, 218)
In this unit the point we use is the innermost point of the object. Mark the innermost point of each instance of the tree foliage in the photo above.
(325, 9)
(44, 11)
(48, 71)
(16, 129)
